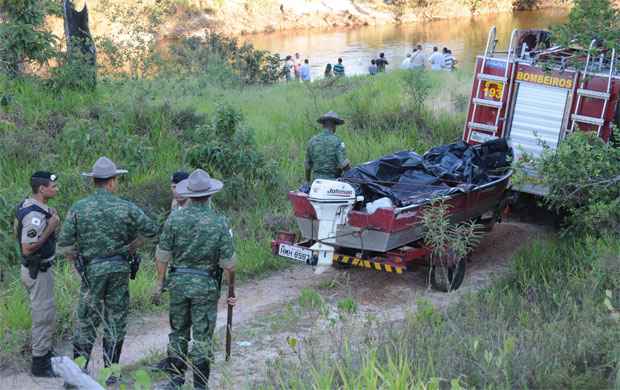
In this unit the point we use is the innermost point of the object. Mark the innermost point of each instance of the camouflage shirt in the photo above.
(196, 237)
(103, 225)
(326, 156)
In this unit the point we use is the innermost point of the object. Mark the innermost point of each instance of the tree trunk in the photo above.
(81, 51)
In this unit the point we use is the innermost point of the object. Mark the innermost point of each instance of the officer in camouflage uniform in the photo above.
(36, 225)
(197, 245)
(326, 157)
(103, 229)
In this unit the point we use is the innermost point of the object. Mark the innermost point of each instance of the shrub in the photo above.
(226, 60)
(229, 151)
(583, 177)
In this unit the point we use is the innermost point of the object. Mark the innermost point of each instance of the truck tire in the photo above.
(447, 279)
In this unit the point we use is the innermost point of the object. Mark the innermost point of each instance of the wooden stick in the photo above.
(231, 294)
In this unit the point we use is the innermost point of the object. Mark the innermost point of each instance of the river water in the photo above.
(466, 37)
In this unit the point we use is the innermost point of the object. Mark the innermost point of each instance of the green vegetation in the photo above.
(591, 19)
(23, 37)
(252, 137)
(551, 323)
(583, 177)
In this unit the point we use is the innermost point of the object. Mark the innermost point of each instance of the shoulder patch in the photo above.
(36, 221)
(31, 233)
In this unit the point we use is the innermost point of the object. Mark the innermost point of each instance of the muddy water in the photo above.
(466, 37)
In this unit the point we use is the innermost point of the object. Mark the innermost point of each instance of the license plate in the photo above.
(295, 252)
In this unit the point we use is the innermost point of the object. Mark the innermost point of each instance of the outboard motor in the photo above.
(332, 202)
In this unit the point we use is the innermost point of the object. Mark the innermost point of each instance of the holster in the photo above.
(134, 265)
(80, 267)
(33, 263)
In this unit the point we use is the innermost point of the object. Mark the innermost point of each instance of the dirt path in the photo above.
(261, 323)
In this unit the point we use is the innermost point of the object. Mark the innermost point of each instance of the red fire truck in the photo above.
(535, 94)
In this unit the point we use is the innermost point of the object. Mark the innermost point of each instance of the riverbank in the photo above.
(243, 17)
(108, 18)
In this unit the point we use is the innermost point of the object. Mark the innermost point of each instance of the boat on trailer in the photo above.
(338, 225)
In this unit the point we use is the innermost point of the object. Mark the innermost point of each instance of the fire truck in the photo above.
(535, 94)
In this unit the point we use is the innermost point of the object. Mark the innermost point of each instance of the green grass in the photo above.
(549, 324)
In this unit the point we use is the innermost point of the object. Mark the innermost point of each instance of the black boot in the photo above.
(176, 371)
(201, 375)
(42, 367)
(82, 351)
(111, 355)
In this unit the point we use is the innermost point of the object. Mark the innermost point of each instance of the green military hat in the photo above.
(104, 168)
(331, 117)
(199, 184)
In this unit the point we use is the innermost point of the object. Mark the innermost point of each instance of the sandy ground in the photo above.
(259, 337)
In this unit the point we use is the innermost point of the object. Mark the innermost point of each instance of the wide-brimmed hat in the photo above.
(331, 117)
(198, 184)
(104, 168)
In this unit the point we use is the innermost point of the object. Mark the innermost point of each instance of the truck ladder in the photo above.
(599, 122)
(482, 76)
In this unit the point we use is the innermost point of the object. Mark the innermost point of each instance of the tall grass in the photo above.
(144, 126)
(545, 326)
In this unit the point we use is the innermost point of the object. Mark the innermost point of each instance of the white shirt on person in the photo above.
(418, 58)
(436, 60)
(406, 64)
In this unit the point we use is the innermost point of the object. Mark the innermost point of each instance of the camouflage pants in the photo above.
(105, 299)
(193, 307)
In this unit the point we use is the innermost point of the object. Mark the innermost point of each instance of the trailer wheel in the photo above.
(447, 279)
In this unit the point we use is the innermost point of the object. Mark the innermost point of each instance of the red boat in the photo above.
(338, 224)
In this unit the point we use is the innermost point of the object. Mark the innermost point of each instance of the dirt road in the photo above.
(263, 319)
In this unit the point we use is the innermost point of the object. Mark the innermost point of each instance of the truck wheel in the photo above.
(447, 279)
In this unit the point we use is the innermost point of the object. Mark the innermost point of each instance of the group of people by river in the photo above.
(443, 60)
(296, 69)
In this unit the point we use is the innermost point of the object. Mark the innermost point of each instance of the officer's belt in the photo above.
(194, 271)
(117, 258)
(44, 266)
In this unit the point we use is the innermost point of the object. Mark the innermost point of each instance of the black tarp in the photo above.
(406, 177)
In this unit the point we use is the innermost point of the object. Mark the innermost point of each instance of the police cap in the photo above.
(45, 175)
(179, 176)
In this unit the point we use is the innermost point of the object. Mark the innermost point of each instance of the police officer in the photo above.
(101, 231)
(197, 245)
(177, 201)
(36, 225)
(326, 157)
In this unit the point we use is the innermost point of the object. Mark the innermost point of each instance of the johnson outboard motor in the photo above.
(332, 202)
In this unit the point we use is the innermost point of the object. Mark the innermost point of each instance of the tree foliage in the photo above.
(23, 36)
(583, 177)
(216, 53)
(588, 20)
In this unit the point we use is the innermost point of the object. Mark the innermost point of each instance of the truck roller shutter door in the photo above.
(538, 116)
